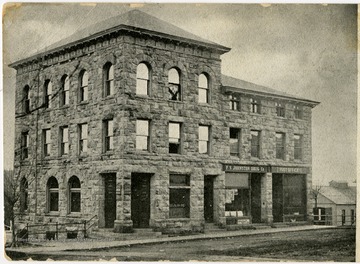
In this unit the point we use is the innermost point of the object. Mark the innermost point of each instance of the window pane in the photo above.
(203, 81)
(174, 130)
(237, 202)
(84, 131)
(85, 93)
(203, 96)
(110, 127)
(203, 146)
(142, 142)
(174, 92)
(142, 127)
(47, 136)
(66, 83)
(49, 88)
(179, 203)
(85, 79)
(54, 201)
(142, 71)
(84, 145)
(234, 146)
(141, 87)
(203, 133)
(111, 72)
(75, 201)
(179, 180)
(174, 76)
(65, 134)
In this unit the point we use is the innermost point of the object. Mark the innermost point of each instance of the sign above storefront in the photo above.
(264, 169)
(295, 170)
(245, 168)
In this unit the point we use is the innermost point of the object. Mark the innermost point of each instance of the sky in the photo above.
(307, 50)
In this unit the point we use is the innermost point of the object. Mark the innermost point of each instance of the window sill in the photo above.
(52, 213)
(180, 219)
(109, 97)
(83, 102)
(142, 96)
(74, 214)
(63, 107)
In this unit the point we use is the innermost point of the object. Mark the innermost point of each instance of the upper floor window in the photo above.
(142, 79)
(203, 88)
(255, 106)
(297, 147)
(234, 102)
(142, 134)
(25, 145)
(280, 145)
(234, 141)
(280, 109)
(204, 139)
(74, 194)
(255, 143)
(108, 135)
(174, 137)
(26, 105)
(108, 79)
(64, 140)
(83, 138)
(47, 93)
(65, 86)
(174, 85)
(53, 194)
(298, 112)
(84, 82)
(46, 142)
(23, 195)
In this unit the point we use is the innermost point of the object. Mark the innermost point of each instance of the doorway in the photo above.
(277, 196)
(209, 199)
(256, 198)
(110, 199)
(140, 199)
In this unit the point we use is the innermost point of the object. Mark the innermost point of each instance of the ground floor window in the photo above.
(179, 196)
(53, 195)
(237, 193)
(75, 194)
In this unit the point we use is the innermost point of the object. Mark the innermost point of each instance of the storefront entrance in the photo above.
(256, 197)
(140, 199)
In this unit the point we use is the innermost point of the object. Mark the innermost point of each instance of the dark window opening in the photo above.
(174, 85)
(179, 196)
(174, 138)
(75, 194)
(53, 194)
(234, 141)
(255, 143)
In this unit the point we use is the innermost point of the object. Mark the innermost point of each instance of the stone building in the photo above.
(130, 121)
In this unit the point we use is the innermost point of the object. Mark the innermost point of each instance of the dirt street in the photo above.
(316, 245)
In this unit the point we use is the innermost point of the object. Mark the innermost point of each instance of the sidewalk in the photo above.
(66, 246)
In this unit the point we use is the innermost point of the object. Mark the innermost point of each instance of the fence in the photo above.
(52, 230)
(338, 220)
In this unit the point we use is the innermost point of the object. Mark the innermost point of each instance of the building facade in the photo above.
(132, 122)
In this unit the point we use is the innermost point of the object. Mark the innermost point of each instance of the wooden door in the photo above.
(110, 199)
(140, 200)
(209, 199)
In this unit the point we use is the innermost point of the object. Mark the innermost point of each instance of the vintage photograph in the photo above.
(179, 132)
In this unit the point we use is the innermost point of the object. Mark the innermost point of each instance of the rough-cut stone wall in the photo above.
(125, 52)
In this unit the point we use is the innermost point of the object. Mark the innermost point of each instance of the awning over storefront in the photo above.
(237, 180)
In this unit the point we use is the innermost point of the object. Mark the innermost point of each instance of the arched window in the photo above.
(26, 99)
(142, 79)
(108, 79)
(65, 86)
(203, 88)
(53, 194)
(47, 93)
(23, 195)
(174, 85)
(84, 81)
(74, 194)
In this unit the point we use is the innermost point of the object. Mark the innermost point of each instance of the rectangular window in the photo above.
(174, 137)
(46, 142)
(234, 102)
(255, 106)
(298, 112)
(142, 134)
(65, 91)
(54, 200)
(179, 196)
(297, 147)
(48, 93)
(83, 138)
(343, 217)
(352, 216)
(280, 145)
(64, 137)
(234, 141)
(204, 139)
(255, 143)
(280, 109)
(108, 135)
(25, 145)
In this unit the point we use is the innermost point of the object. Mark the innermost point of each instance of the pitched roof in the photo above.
(237, 84)
(133, 20)
(339, 195)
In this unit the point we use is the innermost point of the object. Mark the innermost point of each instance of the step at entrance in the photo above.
(212, 228)
(109, 234)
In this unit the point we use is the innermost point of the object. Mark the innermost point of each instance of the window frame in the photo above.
(298, 112)
(47, 93)
(46, 143)
(50, 192)
(255, 105)
(280, 109)
(109, 79)
(140, 79)
(65, 91)
(138, 135)
(108, 135)
(81, 141)
(298, 148)
(238, 141)
(234, 102)
(25, 145)
(204, 89)
(26, 99)
(255, 149)
(71, 191)
(64, 145)
(186, 188)
(84, 88)
(179, 143)
(204, 140)
(280, 150)
(176, 84)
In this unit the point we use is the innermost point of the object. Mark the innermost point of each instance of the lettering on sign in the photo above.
(245, 168)
(296, 170)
